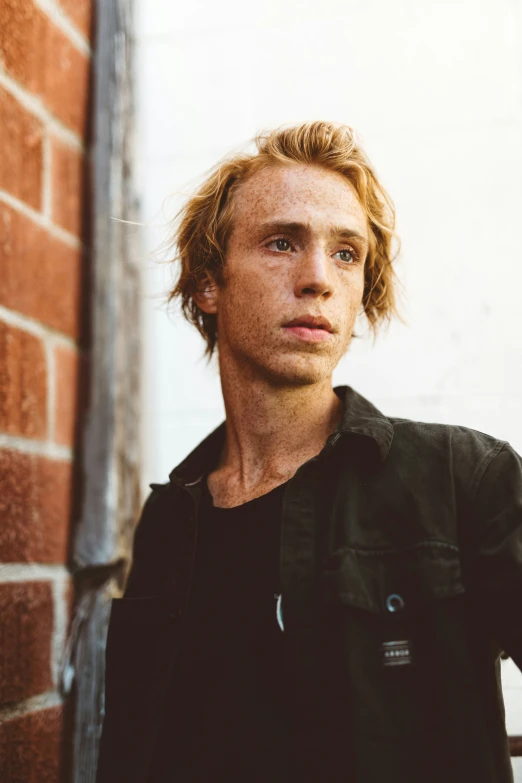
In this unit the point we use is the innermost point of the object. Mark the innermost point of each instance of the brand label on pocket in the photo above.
(396, 653)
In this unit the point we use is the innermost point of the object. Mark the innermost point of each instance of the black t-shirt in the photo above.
(227, 716)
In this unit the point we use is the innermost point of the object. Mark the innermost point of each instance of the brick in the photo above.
(67, 177)
(42, 58)
(66, 81)
(26, 609)
(35, 508)
(23, 383)
(80, 12)
(67, 404)
(41, 275)
(21, 137)
(21, 35)
(31, 747)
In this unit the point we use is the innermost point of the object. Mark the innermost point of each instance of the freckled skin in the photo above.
(277, 388)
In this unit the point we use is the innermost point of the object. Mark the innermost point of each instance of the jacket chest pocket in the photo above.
(394, 603)
(140, 638)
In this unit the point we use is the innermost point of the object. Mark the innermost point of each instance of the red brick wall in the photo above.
(45, 51)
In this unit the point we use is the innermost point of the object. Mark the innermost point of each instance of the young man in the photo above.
(320, 592)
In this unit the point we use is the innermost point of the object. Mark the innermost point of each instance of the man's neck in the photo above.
(270, 431)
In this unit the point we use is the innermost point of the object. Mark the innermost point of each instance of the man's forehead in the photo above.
(294, 192)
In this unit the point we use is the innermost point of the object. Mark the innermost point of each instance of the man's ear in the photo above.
(206, 297)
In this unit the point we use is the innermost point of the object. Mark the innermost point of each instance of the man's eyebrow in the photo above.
(279, 226)
(347, 233)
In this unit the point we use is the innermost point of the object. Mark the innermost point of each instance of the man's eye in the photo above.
(283, 245)
(346, 255)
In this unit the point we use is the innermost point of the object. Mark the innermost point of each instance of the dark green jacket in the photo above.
(401, 573)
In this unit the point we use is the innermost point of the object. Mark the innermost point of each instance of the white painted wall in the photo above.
(434, 89)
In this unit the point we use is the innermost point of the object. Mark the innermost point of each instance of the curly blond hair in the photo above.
(202, 227)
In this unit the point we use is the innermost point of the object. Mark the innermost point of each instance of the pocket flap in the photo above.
(415, 575)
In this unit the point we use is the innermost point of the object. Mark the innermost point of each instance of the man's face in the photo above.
(294, 273)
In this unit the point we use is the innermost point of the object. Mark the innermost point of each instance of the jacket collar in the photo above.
(360, 418)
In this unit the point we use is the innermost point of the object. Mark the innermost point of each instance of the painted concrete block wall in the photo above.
(434, 90)
(45, 53)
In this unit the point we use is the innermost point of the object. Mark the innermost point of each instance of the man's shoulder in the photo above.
(158, 488)
(463, 451)
(158, 492)
(438, 434)
(155, 539)
(157, 506)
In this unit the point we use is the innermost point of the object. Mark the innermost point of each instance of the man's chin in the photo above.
(299, 371)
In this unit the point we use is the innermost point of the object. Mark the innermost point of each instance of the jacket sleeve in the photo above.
(140, 583)
(496, 557)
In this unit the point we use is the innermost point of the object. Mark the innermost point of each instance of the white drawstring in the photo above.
(279, 611)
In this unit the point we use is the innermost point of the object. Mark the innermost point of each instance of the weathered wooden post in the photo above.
(111, 500)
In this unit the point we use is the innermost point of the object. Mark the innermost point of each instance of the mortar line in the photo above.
(42, 220)
(36, 107)
(32, 572)
(37, 329)
(29, 706)
(61, 20)
(39, 448)
(59, 584)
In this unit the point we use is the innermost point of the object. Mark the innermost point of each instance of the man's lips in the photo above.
(311, 322)
(311, 329)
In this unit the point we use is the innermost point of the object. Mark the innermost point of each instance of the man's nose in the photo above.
(314, 274)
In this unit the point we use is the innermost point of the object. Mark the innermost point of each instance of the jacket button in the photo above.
(394, 602)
